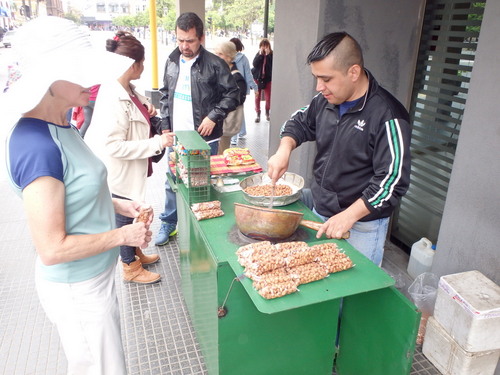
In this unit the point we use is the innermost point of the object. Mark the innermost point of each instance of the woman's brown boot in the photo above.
(146, 259)
(135, 273)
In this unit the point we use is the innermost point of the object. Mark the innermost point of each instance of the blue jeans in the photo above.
(368, 237)
(127, 253)
(243, 131)
(170, 214)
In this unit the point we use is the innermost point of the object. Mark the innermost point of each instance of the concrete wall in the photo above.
(387, 30)
(293, 85)
(469, 238)
(196, 6)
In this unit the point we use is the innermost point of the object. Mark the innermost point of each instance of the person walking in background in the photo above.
(262, 72)
(243, 66)
(66, 199)
(362, 134)
(120, 135)
(232, 123)
(197, 94)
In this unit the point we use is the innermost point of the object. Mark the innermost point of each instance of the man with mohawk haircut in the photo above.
(362, 134)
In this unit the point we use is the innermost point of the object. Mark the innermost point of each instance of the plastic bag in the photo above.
(423, 291)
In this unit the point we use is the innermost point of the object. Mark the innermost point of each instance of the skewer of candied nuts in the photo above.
(207, 210)
(144, 214)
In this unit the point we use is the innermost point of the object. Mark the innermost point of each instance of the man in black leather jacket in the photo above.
(197, 94)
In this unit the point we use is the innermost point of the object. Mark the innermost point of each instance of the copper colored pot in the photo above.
(269, 224)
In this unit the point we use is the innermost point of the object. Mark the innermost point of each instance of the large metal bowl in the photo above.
(293, 180)
(271, 224)
(266, 224)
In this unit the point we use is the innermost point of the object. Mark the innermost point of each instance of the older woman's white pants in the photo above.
(88, 321)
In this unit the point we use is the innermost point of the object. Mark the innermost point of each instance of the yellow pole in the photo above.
(154, 44)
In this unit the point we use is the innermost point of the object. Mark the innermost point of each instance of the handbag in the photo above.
(232, 123)
(233, 120)
(156, 125)
(156, 129)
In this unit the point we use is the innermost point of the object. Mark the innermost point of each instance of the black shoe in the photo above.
(257, 119)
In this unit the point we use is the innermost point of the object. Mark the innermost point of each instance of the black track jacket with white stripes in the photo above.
(364, 154)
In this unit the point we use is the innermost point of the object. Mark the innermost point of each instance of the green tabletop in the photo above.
(364, 276)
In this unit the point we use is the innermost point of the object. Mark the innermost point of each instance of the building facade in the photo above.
(99, 14)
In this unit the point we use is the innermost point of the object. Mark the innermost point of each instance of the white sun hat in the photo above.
(49, 49)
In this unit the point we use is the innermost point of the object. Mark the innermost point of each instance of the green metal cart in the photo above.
(297, 333)
(354, 322)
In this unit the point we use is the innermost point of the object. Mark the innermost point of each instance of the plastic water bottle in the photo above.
(421, 256)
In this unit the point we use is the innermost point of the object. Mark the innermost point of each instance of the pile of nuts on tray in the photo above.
(207, 210)
(267, 190)
(278, 269)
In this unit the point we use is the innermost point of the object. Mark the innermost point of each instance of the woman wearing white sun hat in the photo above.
(63, 185)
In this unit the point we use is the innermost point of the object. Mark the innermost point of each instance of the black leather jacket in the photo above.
(213, 90)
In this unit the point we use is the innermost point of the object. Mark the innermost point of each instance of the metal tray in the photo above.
(293, 180)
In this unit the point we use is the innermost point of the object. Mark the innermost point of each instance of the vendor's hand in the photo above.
(206, 127)
(136, 234)
(336, 226)
(277, 165)
(167, 138)
(341, 223)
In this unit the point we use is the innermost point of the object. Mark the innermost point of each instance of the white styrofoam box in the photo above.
(468, 308)
(450, 359)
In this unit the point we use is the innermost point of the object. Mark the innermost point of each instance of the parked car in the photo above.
(7, 38)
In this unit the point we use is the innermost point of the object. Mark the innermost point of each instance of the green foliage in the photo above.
(142, 19)
(166, 14)
(476, 15)
(72, 16)
(124, 21)
(168, 21)
(238, 14)
(139, 20)
(228, 15)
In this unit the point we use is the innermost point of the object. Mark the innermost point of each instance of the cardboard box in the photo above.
(450, 359)
(468, 308)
